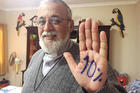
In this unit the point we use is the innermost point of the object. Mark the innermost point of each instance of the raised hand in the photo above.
(91, 71)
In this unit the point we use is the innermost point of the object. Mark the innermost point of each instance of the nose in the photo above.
(48, 26)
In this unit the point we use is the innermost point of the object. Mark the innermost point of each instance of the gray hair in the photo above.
(69, 13)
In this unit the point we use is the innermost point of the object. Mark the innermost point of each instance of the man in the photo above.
(61, 66)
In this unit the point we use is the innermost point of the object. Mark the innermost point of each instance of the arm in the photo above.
(91, 72)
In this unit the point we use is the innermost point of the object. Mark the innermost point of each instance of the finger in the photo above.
(82, 40)
(103, 44)
(71, 62)
(95, 37)
(88, 33)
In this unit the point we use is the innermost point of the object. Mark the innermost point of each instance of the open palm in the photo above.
(91, 71)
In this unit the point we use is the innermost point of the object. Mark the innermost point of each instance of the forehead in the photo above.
(50, 8)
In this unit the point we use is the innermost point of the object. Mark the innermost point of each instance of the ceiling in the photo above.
(19, 4)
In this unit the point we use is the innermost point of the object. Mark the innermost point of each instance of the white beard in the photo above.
(53, 48)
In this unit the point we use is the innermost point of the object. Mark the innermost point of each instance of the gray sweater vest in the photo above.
(60, 79)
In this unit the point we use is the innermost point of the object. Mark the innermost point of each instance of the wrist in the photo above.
(91, 91)
(87, 91)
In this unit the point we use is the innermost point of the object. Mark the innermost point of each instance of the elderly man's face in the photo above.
(49, 16)
(53, 19)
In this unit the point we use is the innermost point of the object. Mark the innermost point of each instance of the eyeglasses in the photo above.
(54, 20)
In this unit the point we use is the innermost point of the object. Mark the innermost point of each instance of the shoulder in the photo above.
(36, 55)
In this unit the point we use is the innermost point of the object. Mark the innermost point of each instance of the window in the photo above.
(3, 50)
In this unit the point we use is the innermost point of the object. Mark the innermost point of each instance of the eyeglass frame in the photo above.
(51, 20)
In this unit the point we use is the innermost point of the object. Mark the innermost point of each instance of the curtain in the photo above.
(3, 50)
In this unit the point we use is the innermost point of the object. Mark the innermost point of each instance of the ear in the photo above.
(71, 25)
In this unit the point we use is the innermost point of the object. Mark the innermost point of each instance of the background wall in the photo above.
(17, 43)
(2, 13)
(123, 52)
(138, 38)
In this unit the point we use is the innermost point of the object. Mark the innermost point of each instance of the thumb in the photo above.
(71, 62)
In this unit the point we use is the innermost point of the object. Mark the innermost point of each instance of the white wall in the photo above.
(2, 17)
(138, 39)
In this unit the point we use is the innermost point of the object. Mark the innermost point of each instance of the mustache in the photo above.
(50, 33)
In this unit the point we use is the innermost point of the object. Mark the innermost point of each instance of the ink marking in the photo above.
(90, 76)
(99, 69)
(87, 60)
(98, 77)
